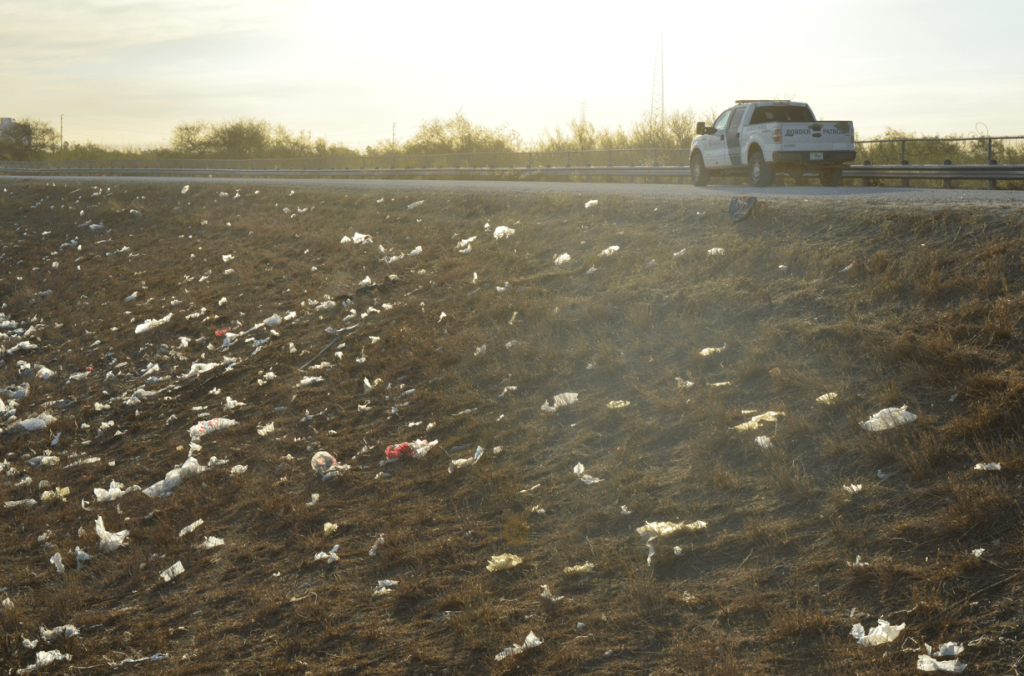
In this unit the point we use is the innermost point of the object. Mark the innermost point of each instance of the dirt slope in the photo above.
(424, 335)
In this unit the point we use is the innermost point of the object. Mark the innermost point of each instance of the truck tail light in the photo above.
(777, 135)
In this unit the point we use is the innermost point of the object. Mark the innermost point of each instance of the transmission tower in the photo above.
(658, 93)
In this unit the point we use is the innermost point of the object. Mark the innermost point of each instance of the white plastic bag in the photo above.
(888, 418)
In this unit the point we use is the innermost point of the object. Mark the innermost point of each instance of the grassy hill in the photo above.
(464, 343)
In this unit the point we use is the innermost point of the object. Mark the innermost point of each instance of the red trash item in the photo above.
(221, 332)
(392, 452)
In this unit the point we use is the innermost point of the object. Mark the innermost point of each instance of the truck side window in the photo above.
(737, 117)
(723, 120)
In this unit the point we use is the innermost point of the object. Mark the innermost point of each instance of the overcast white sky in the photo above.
(125, 72)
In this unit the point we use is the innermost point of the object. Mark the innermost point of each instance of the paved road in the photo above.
(918, 197)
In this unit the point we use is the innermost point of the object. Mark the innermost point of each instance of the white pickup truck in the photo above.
(765, 138)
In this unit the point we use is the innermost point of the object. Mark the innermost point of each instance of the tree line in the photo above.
(244, 138)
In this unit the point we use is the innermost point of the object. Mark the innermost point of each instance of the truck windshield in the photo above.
(782, 114)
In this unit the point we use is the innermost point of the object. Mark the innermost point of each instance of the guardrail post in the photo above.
(568, 159)
(990, 151)
(529, 160)
(903, 152)
(991, 181)
(947, 182)
(904, 182)
(866, 182)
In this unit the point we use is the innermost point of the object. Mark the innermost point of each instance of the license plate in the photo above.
(817, 156)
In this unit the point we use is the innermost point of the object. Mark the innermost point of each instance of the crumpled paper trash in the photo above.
(109, 541)
(171, 480)
(927, 662)
(385, 587)
(172, 572)
(463, 462)
(500, 562)
(888, 418)
(564, 399)
(531, 640)
(883, 633)
(755, 422)
(652, 529)
(581, 569)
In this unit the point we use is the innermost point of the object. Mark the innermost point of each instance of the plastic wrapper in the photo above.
(171, 480)
(652, 529)
(151, 324)
(878, 635)
(204, 427)
(828, 399)
(989, 467)
(191, 528)
(500, 562)
(562, 259)
(888, 418)
(45, 658)
(172, 572)
(385, 587)
(755, 422)
(330, 556)
(63, 631)
(109, 541)
(581, 569)
(57, 563)
(609, 251)
(531, 640)
(563, 399)
(416, 449)
(464, 462)
(580, 471)
(502, 232)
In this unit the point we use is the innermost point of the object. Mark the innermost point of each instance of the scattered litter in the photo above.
(264, 430)
(828, 399)
(191, 528)
(63, 631)
(238, 470)
(548, 596)
(763, 442)
(883, 633)
(501, 562)
(463, 462)
(618, 404)
(563, 258)
(414, 205)
(323, 462)
(716, 251)
(156, 657)
(184, 190)
(55, 560)
(502, 232)
(978, 552)
(151, 324)
(174, 477)
(888, 418)
(385, 587)
(589, 204)
(329, 528)
(331, 556)
(579, 471)
(172, 572)
(209, 542)
(741, 207)
(417, 449)
(581, 569)
(755, 422)
(109, 541)
(564, 399)
(926, 662)
(989, 467)
(45, 658)
(853, 488)
(708, 351)
(531, 640)
(858, 563)
(206, 426)
(683, 383)
(653, 529)
(609, 251)
(378, 543)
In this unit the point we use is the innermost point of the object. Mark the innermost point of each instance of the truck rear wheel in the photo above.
(698, 171)
(760, 172)
(830, 177)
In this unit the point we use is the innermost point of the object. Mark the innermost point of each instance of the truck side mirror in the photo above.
(700, 128)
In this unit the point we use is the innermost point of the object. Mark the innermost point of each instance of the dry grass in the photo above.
(928, 309)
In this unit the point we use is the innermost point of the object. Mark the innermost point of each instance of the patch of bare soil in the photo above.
(260, 313)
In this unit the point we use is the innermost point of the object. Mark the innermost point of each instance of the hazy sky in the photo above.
(125, 72)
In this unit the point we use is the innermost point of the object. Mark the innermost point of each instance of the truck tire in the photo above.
(830, 177)
(698, 171)
(760, 172)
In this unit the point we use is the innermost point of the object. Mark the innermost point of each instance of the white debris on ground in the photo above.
(928, 661)
(500, 562)
(888, 418)
(564, 399)
(531, 640)
(877, 635)
(580, 471)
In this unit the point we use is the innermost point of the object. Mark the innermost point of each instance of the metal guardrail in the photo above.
(945, 172)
